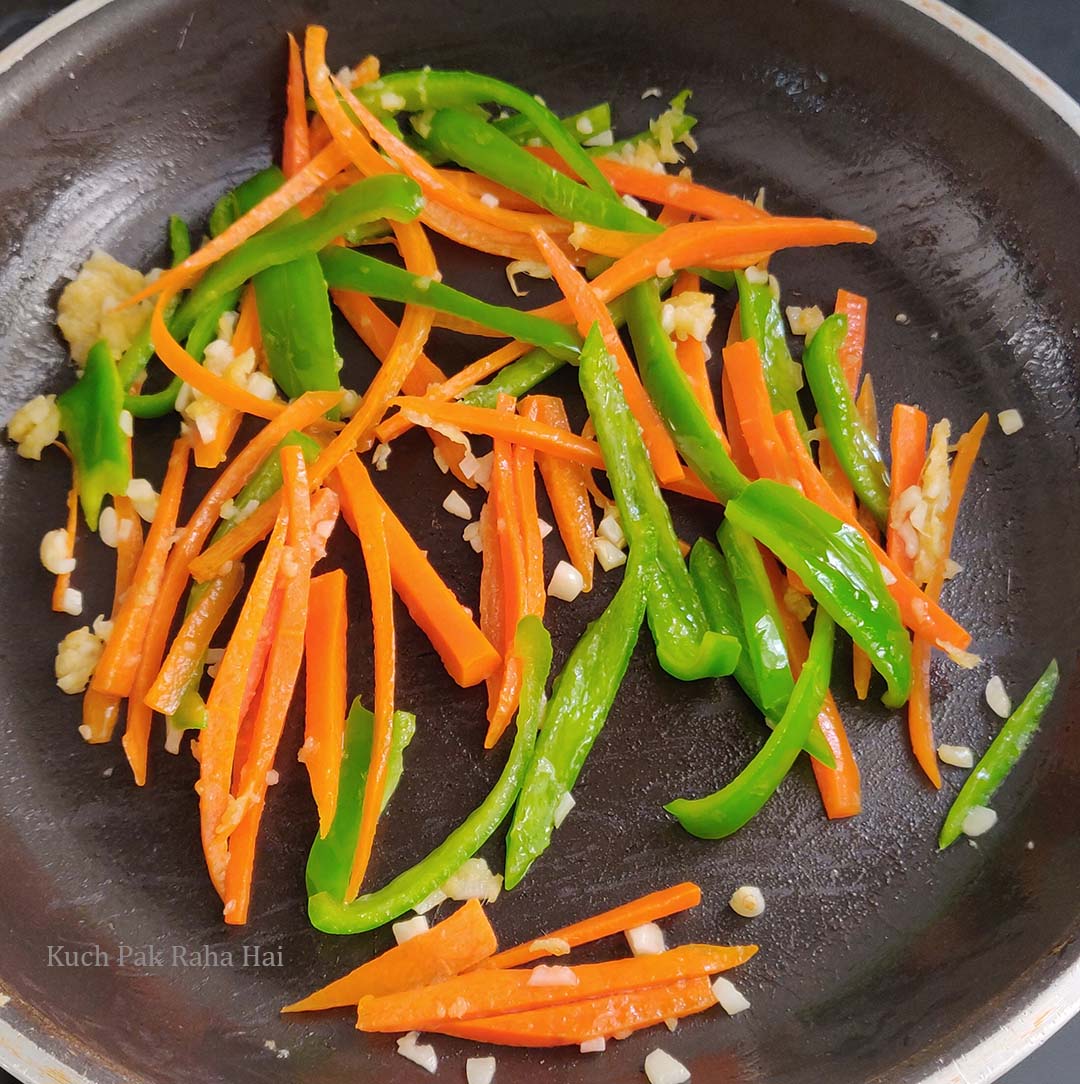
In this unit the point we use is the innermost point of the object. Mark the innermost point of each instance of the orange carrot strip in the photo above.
(275, 696)
(100, 714)
(919, 611)
(603, 242)
(463, 648)
(529, 518)
(63, 579)
(478, 187)
(500, 991)
(663, 188)
(115, 670)
(326, 691)
(691, 355)
(129, 545)
(567, 488)
(378, 333)
(313, 176)
(834, 474)
(920, 720)
(740, 452)
(840, 787)
(513, 580)
(587, 310)
(371, 529)
(576, 1023)
(295, 150)
(191, 642)
(456, 385)
(461, 941)
(217, 745)
(491, 598)
(668, 901)
(742, 364)
(908, 441)
(853, 306)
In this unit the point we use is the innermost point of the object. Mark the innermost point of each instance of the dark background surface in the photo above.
(1048, 33)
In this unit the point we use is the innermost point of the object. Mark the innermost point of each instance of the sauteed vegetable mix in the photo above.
(220, 623)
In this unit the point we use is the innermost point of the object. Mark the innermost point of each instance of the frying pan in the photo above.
(881, 960)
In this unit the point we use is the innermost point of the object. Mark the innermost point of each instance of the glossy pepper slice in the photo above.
(516, 379)
(855, 447)
(685, 645)
(760, 319)
(346, 269)
(479, 146)
(733, 806)
(390, 196)
(90, 421)
(583, 694)
(330, 860)
(1005, 750)
(833, 560)
(327, 911)
(674, 398)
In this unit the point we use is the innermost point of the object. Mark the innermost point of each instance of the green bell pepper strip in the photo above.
(330, 860)
(347, 269)
(179, 240)
(1005, 750)
(427, 89)
(516, 379)
(388, 196)
(90, 421)
(760, 319)
(833, 560)
(477, 145)
(856, 450)
(673, 397)
(580, 701)
(580, 126)
(328, 913)
(295, 320)
(261, 486)
(713, 580)
(763, 635)
(728, 809)
(685, 645)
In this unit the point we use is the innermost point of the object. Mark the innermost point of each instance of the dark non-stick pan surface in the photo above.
(881, 959)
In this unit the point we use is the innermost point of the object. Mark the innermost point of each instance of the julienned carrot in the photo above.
(519, 430)
(920, 719)
(371, 529)
(326, 164)
(456, 385)
(918, 610)
(501, 991)
(603, 242)
(833, 473)
(276, 693)
(692, 361)
(513, 580)
(378, 333)
(740, 452)
(853, 307)
(529, 518)
(491, 602)
(720, 245)
(742, 365)
(567, 488)
(63, 579)
(224, 706)
(908, 446)
(326, 692)
(115, 670)
(247, 336)
(478, 187)
(587, 310)
(461, 941)
(668, 901)
(664, 188)
(840, 787)
(129, 545)
(463, 648)
(576, 1023)
(295, 150)
(191, 642)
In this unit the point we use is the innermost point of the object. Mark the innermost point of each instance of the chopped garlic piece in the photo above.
(380, 456)
(689, 315)
(54, 554)
(646, 940)
(533, 268)
(594, 1046)
(662, 1068)
(611, 529)
(804, 322)
(747, 901)
(76, 656)
(71, 602)
(562, 810)
(566, 582)
(608, 554)
(474, 881)
(410, 928)
(650, 92)
(1010, 421)
(998, 698)
(422, 1054)
(479, 1070)
(552, 946)
(545, 528)
(959, 756)
(471, 534)
(635, 205)
(489, 199)
(728, 998)
(144, 497)
(456, 505)
(552, 975)
(34, 426)
(979, 821)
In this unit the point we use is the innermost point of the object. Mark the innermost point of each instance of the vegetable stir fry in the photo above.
(776, 434)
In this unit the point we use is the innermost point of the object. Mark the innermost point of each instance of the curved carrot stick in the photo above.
(691, 355)
(908, 445)
(853, 307)
(295, 150)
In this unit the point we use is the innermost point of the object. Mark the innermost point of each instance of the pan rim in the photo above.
(1032, 1023)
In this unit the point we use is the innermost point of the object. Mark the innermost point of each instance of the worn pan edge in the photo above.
(1034, 1022)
